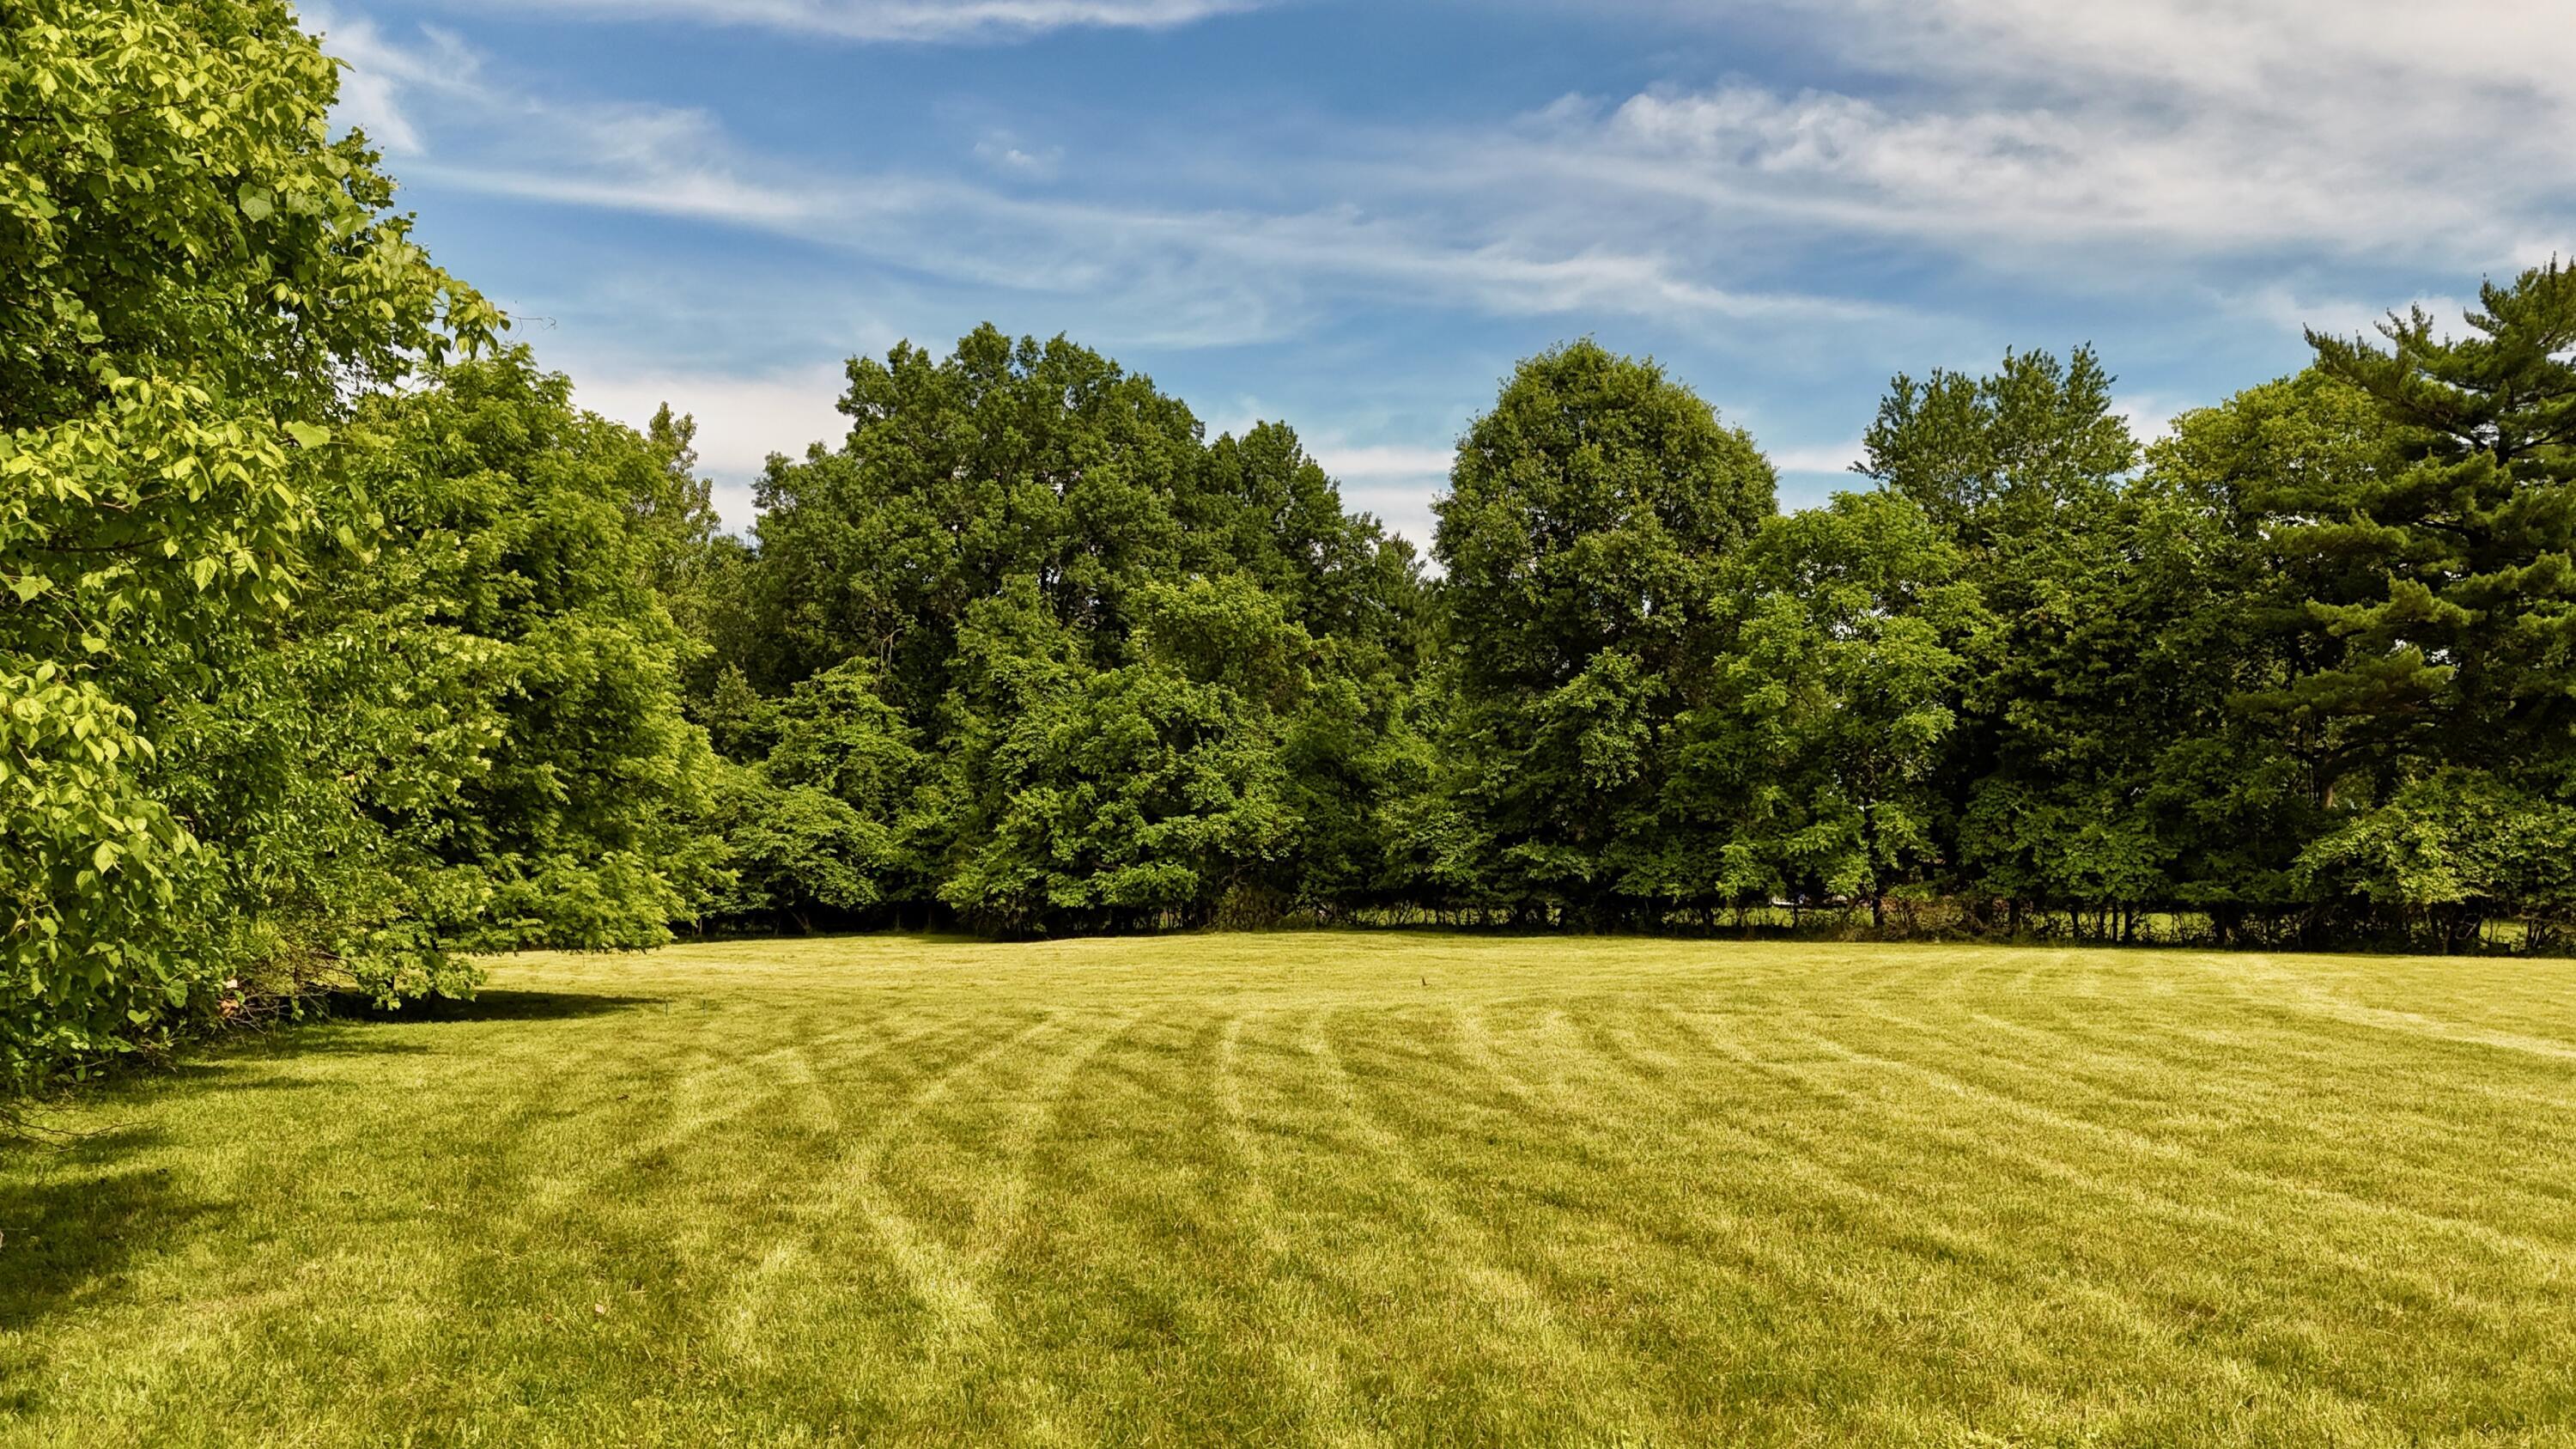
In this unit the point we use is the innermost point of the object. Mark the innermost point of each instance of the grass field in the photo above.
(1334, 1189)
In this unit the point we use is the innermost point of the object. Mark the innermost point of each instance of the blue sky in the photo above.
(1356, 216)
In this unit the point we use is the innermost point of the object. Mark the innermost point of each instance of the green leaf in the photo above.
(310, 435)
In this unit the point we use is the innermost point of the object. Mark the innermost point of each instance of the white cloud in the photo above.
(1012, 157)
(2149, 416)
(2063, 144)
(1379, 461)
(741, 419)
(378, 73)
(2482, 50)
(2093, 135)
(2295, 311)
(2153, 144)
(1404, 507)
(2537, 251)
(1177, 275)
(664, 160)
(1395, 481)
(1830, 458)
(908, 20)
(656, 187)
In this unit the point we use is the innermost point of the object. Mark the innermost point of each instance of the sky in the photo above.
(1356, 215)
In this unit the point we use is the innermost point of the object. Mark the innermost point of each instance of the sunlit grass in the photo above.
(1334, 1188)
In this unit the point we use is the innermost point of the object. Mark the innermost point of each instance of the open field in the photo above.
(1334, 1189)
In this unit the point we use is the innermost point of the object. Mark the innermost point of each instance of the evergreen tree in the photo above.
(2453, 611)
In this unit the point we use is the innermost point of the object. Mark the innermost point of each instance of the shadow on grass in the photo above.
(499, 1005)
(68, 1229)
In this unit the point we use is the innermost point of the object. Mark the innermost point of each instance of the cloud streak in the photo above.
(1214, 274)
(908, 21)
(2061, 145)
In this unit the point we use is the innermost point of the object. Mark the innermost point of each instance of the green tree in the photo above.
(1811, 758)
(2417, 503)
(200, 279)
(1140, 795)
(2002, 453)
(797, 854)
(2028, 471)
(1589, 514)
(2254, 772)
(2446, 587)
(1001, 462)
(1021, 542)
(867, 842)
(524, 539)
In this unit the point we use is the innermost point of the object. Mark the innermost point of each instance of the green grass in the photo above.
(1334, 1189)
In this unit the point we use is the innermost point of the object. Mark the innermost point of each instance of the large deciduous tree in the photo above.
(199, 277)
(1811, 763)
(1589, 515)
(1141, 677)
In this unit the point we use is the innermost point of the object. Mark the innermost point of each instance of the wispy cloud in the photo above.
(1830, 458)
(2053, 144)
(1215, 274)
(377, 73)
(2268, 165)
(1395, 481)
(907, 20)
(1010, 155)
(1377, 462)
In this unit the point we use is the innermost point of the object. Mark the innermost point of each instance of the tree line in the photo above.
(338, 644)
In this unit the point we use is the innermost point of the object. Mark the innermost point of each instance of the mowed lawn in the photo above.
(1334, 1188)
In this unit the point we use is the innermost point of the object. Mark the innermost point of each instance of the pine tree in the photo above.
(2458, 635)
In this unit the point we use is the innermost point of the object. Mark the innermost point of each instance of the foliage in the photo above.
(2004, 454)
(1068, 665)
(200, 278)
(1138, 795)
(1814, 761)
(796, 851)
(524, 541)
(1104, 677)
(93, 871)
(999, 463)
(2451, 851)
(1589, 515)
(2450, 615)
